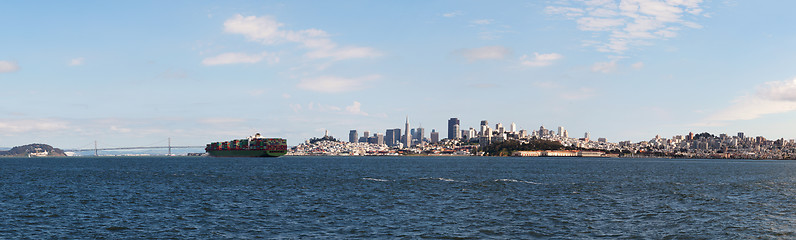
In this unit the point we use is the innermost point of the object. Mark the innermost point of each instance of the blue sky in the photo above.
(133, 73)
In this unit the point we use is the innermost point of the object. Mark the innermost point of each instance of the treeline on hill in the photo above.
(324, 138)
(505, 148)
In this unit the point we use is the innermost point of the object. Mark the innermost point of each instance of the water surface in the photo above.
(396, 197)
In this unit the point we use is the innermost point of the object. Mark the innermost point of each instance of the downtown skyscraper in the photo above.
(452, 128)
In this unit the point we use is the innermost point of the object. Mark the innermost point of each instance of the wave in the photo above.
(441, 179)
(515, 181)
(376, 179)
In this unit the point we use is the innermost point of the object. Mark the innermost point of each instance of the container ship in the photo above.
(254, 146)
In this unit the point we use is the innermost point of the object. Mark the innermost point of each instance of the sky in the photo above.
(135, 73)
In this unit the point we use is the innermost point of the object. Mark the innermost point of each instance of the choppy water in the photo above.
(396, 197)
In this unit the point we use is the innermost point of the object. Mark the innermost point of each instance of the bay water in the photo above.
(396, 197)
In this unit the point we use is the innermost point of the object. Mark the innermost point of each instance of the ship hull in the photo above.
(246, 153)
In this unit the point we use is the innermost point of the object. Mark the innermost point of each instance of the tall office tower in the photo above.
(389, 138)
(499, 128)
(513, 127)
(379, 138)
(566, 134)
(451, 132)
(419, 134)
(434, 136)
(413, 133)
(484, 123)
(408, 136)
(471, 133)
(560, 131)
(457, 134)
(542, 131)
(740, 135)
(365, 137)
(396, 133)
(484, 127)
(353, 136)
(523, 133)
(587, 136)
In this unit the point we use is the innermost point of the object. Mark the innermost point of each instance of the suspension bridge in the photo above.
(97, 149)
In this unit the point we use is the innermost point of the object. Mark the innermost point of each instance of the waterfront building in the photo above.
(353, 136)
(451, 131)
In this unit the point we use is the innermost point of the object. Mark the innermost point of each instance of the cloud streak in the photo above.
(331, 84)
(540, 60)
(268, 31)
(8, 66)
(628, 23)
(77, 61)
(770, 98)
(484, 53)
(235, 58)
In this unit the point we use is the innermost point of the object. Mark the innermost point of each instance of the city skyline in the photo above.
(134, 73)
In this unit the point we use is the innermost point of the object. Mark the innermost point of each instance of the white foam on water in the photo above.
(441, 179)
(376, 179)
(515, 181)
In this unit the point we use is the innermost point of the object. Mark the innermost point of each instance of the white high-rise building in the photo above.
(457, 132)
(560, 131)
(408, 139)
(566, 134)
(513, 127)
(499, 128)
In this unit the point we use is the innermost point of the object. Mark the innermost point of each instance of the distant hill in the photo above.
(35, 149)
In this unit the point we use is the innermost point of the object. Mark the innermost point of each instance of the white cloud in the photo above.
(482, 21)
(76, 61)
(343, 53)
(638, 65)
(120, 129)
(540, 60)
(295, 107)
(234, 58)
(452, 14)
(356, 109)
(221, 121)
(267, 30)
(628, 23)
(8, 66)
(770, 98)
(331, 84)
(578, 94)
(31, 125)
(604, 67)
(484, 53)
